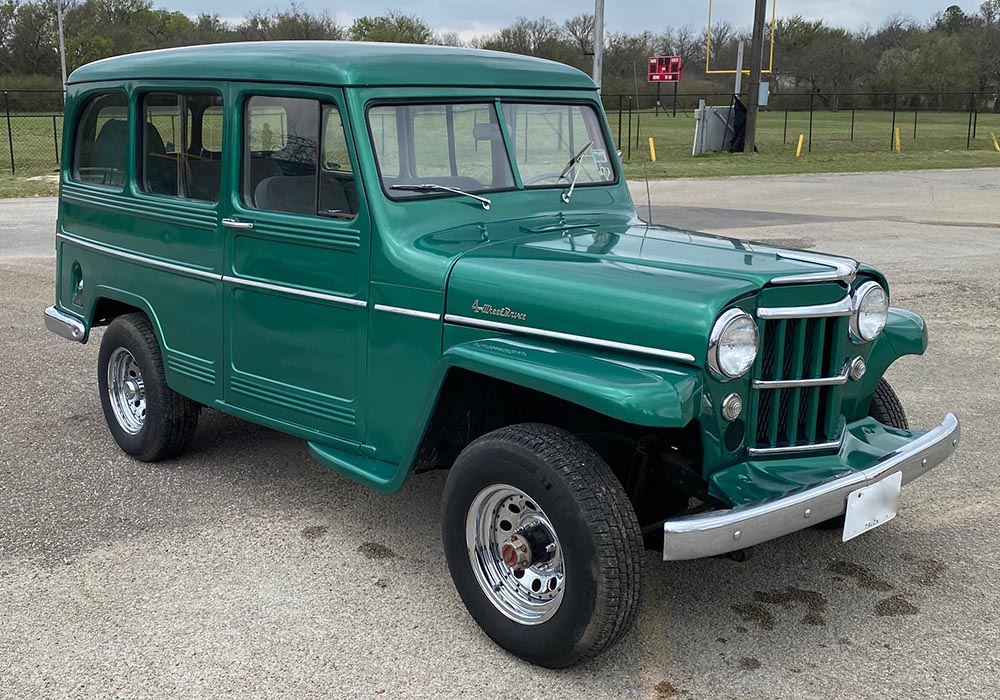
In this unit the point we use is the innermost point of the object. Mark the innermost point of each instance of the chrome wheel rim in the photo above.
(127, 391)
(499, 518)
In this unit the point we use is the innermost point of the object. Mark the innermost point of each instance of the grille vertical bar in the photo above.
(796, 349)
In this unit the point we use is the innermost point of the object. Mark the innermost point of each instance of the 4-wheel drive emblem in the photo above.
(504, 312)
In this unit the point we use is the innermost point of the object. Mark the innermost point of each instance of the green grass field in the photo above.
(940, 142)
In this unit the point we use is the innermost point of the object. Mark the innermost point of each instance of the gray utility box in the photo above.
(713, 128)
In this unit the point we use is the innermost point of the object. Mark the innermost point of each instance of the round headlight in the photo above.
(732, 347)
(871, 308)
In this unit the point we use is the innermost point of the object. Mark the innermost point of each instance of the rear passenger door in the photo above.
(297, 248)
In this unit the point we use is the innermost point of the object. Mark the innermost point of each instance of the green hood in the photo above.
(629, 283)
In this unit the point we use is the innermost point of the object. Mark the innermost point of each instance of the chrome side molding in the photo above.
(568, 337)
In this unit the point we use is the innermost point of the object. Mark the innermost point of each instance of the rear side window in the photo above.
(181, 145)
(101, 141)
(295, 158)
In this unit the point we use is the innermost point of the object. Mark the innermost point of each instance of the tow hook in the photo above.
(740, 555)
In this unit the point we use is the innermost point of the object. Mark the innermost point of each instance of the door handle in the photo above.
(233, 223)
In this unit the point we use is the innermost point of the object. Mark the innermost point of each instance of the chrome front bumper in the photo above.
(722, 531)
(64, 325)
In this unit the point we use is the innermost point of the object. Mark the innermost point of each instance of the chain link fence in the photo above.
(843, 122)
(31, 129)
(846, 122)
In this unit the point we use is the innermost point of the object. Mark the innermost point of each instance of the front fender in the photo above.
(659, 395)
(905, 333)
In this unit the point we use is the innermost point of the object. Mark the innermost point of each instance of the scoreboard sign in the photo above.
(664, 69)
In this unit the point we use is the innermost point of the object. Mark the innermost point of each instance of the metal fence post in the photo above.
(10, 133)
(968, 132)
(620, 100)
(812, 96)
(638, 120)
(892, 130)
(852, 124)
(784, 136)
(629, 154)
(975, 116)
(55, 139)
(915, 113)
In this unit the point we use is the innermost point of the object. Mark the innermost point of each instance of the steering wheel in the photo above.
(544, 176)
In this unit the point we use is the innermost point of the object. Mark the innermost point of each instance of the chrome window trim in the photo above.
(844, 269)
(429, 315)
(800, 383)
(134, 257)
(322, 296)
(569, 337)
(843, 307)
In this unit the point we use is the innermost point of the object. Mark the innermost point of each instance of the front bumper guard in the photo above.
(721, 531)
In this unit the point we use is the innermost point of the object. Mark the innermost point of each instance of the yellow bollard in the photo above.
(996, 144)
(652, 150)
(798, 149)
(897, 139)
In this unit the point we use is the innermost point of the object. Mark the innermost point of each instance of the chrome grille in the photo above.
(798, 380)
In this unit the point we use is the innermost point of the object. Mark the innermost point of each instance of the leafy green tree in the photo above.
(391, 27)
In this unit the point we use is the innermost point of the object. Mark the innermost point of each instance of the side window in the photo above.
(338, 195)
(181, 145)
(101, 142)
(295, 158)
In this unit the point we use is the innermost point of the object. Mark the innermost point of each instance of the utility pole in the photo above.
(598, 41)
(756, 58)
(62, 45)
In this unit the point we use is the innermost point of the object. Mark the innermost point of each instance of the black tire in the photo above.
(599, 536)
(887, 409)
(170, 419)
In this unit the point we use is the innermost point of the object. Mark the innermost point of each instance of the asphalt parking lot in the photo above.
(247, 569)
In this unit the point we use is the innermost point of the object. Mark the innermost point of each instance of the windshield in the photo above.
(454, 145)
(547, 138)
(459, 146)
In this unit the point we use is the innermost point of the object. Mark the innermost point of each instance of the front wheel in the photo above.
(542, 543)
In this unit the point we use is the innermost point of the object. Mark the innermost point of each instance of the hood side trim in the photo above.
(568, 337)
(844, 269)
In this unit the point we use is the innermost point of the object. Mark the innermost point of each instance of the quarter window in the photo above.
(101, 144)
(295, 158)
(181, 145)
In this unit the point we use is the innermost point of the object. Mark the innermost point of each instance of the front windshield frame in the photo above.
(562, 184)
(509, 149)
(403, 195)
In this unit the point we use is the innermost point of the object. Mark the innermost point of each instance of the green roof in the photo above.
(342, 63)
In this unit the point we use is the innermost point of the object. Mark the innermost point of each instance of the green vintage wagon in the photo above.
(421, 258)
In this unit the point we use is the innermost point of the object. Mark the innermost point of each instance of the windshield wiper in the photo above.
(434, 187)
(574, 161)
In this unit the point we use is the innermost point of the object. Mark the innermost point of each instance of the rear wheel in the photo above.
(147, 419)
(542, 543)
(887, 409)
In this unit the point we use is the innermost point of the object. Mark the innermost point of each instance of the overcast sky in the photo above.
(471, 17)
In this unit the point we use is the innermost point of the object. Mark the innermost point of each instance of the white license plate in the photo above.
(871, 506)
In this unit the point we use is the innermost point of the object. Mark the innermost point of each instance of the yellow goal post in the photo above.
(732, 71)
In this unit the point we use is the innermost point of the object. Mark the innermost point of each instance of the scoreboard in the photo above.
(664, 69)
